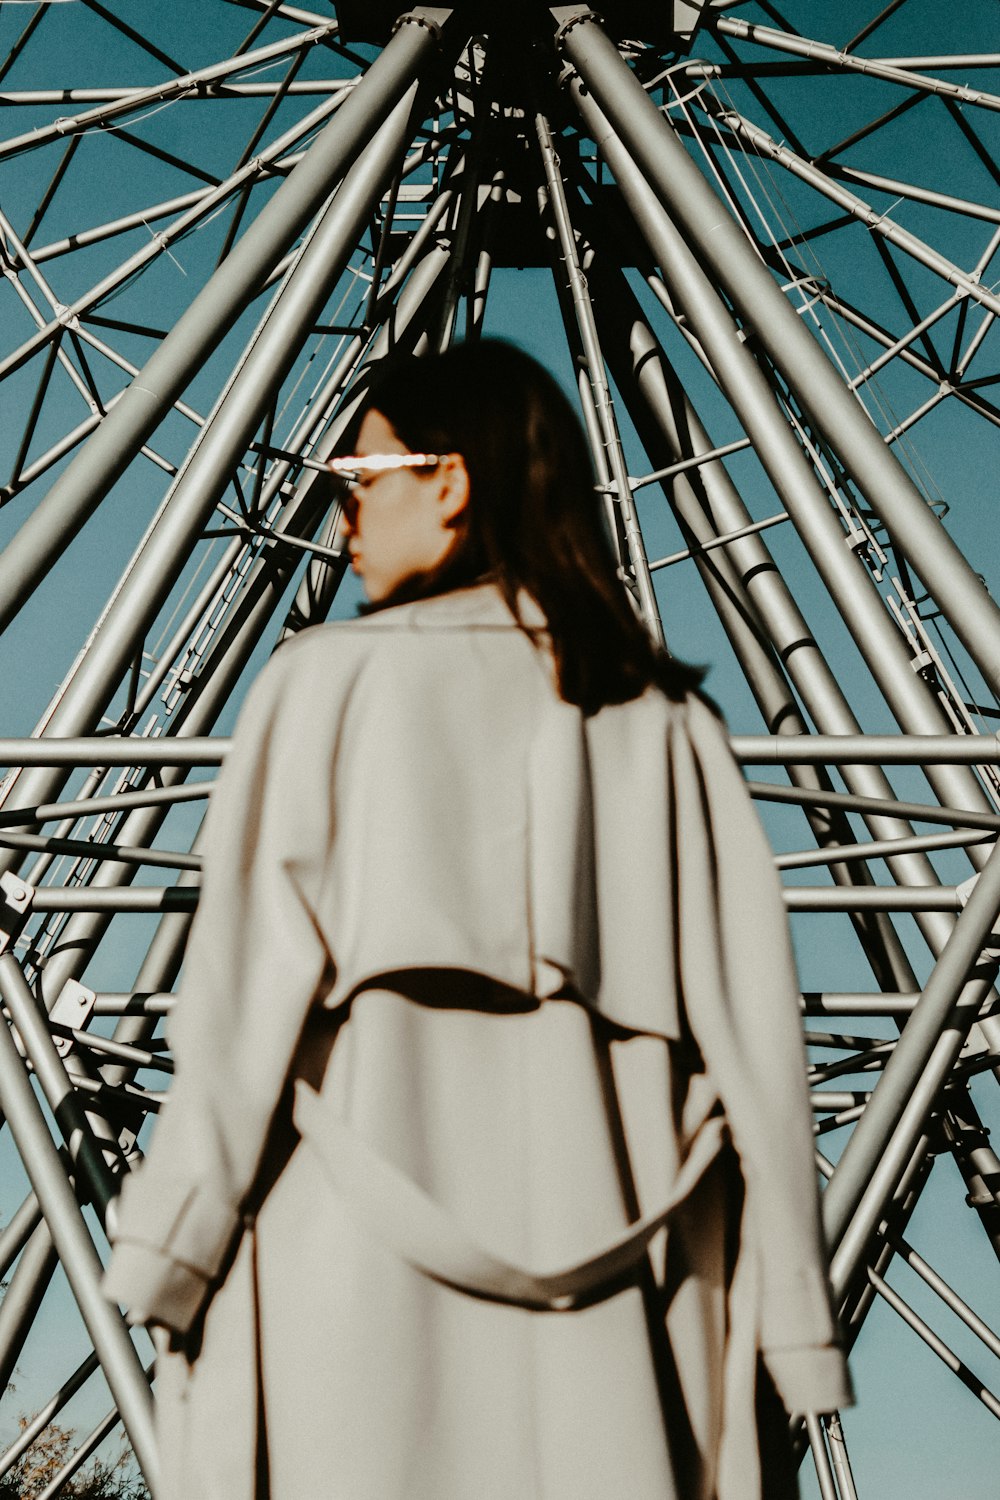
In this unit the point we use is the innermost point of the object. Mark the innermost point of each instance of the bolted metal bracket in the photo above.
(15, 904)
(72, 1008)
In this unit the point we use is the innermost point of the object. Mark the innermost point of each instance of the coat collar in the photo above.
(480, 606)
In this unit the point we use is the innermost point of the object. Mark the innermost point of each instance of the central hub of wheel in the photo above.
(661, 23)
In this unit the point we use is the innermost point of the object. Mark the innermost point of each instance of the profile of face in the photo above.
(400, 521)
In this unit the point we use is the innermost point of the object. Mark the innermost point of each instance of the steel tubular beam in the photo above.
(851, 586)
(931, 1339)
(918, 812)
(47, 812)
(871, 749)
(584, 316)
(17, 1231)
(884, 1139)
(56, 1084)
(220, 446)
(891, 70)
(95, 469)
(832, 409)
(273, 156)
(917, 898)
(260, 593)
(158, 93)
(23, 1296)
(119, 750)
(757, 140)
(79, 1258)
(41, 1420)
(750, 599)
(748, 749)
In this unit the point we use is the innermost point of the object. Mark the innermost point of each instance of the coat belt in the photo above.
(409, 1222)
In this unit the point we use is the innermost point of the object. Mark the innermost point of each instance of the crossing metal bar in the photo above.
(76, 1251)
(877, 222)
(923, 1329)
(891, 70)
(48, 1412)
(872, 749)
(152, 796)
(748, 749)
(832, 409)
(723, 539)
(769, 636)
(84, 849)
(56, 1085)
(883, 1141)
(117, 750)
(846, 1003)
(159, 93)
(766, 791)
(916, 898)
(347, 139)
(220, 445)
(604, 410)
(23, 1295)
(804, 859)
(884, 648)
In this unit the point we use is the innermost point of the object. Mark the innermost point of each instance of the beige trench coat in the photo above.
(528, 973)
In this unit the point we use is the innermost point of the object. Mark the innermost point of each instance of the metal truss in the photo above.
(794, 239)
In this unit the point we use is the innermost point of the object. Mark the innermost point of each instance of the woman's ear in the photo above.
(453, 492)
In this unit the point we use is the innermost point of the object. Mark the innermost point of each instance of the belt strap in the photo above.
(405, 1219)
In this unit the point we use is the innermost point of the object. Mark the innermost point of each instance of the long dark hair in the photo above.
(534, 520)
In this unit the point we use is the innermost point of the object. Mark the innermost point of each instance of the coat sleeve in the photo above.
(741, 999)
(254, 963)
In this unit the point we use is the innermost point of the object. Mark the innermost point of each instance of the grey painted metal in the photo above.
(766, 791)
(735, 583)
(188, 83)
(915, 898)
(272, 158)
(77, 1253)
(17, 1231)
(821, 1458)
(80, 936)
(83, 849)
(23, 1296)
(784, 666)
(921, 1327)
(877, 221)
(48, 1413)
(945, 1291)
(844, 1003)
(803, 859)
(914, 706)
(891, 70)
(834, 412)
(221, 443)
(151, 796)
(603, 405)
(869, 749)
(39, 1047)
(883, 1141)
(849, 583)
(101, 750)
(88, 478)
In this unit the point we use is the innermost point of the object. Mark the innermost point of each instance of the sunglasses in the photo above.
(353, 468)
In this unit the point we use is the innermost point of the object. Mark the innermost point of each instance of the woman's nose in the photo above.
(347, 525)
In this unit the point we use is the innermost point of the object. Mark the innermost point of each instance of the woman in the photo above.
(489, 969)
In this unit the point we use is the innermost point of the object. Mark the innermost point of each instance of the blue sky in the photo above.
(913, 1419)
